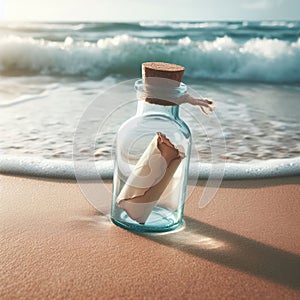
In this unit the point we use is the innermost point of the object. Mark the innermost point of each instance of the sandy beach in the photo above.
(245, 244)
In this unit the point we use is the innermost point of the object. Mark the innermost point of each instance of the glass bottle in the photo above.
(152, 201)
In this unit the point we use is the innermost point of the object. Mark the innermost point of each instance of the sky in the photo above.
(150, 10)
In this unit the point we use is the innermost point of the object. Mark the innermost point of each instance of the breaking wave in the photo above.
(257, 59)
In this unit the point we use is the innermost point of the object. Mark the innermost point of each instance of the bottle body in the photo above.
(161, 202)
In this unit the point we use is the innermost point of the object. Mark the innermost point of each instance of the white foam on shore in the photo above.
(58, 169)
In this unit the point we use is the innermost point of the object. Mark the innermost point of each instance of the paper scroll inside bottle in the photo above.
(149, 178)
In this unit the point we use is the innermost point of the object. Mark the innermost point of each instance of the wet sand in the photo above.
(245, 244)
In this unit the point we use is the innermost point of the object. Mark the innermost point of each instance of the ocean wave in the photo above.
(278, 24)
(267, 60)
(36, 26)
(28, 166)
(67, 27)
(157, 25)
(180, 25)
(258, 25)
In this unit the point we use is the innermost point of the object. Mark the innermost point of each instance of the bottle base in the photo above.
(161, 219)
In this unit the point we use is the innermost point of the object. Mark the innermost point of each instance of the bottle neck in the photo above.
(146, 108)
(158, 96)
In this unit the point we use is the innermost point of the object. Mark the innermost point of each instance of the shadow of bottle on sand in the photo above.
(234, 251)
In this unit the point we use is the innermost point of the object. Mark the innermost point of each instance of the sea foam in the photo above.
(47, 168)
(257, 59)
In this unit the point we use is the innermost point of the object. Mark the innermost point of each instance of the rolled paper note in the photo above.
(149, 178)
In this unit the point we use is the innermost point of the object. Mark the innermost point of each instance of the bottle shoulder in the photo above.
(155, 123)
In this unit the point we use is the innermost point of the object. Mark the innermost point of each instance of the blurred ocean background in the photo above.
(50, 72)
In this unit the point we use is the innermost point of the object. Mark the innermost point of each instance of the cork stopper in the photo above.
(151, 71)
(162, 70)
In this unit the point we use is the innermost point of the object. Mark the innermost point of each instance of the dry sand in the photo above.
(245, 244)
